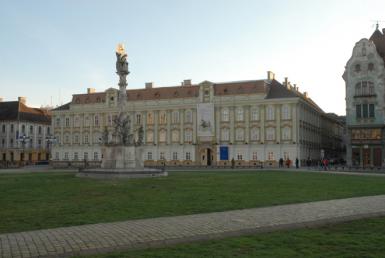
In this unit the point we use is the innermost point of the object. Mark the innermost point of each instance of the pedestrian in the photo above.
(232, 163)
(296, 163)
(281, 162)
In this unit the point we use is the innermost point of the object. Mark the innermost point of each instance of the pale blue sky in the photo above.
(53, 49)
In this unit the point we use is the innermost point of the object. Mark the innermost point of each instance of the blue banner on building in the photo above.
(224, 153)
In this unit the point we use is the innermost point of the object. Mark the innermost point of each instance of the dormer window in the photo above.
(357, 68)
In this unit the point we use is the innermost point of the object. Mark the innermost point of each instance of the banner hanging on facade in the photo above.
(205, 117)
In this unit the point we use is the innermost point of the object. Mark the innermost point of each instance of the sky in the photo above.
(50, 50)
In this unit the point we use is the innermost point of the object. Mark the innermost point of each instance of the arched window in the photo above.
(364, 88)
(255, 114)
(254, 134)
(175, 117)
(286, 133)
(270, 134)
(225, 115)
(162, 117)
(175, 136)
(285, 114)
(150, 118)
(150, 136)
(270, 113)
(162, 136)
(225, 132)
(240, 134)
(239, 114)
(188, 116)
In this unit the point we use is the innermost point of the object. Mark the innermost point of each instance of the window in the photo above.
(370, 66)
(48, 130)
(12, 128)
(150, 118)
(3, 128)
(23, 129)
(11, 144)
(150, 136)
(58, 122)
(364, 111)
(57, 156)
(162, 117)
(3, 143)
(76, 138)
(270, 113)
(175, 136)
(286, 133)
(254, 134)
(66, 138)
(225, 134)
(38, 142)
(31, 129)
(225, 115)
(66, 156)
(255, 114)
(96, 155)
(175, 117)
(285, 112)
(358, 111)
(255, 155)
(86, 139)
(67, 122)
(239, 134)
(188, 116)
(138, 119)
(76, 121)
(39, 130)
(239, 115)
(175, 155)
(357, 68)
(188, 156)
(87, 121)
(162, 136)
(270, 155)
(188, 136)
(85, 155)
(161, 156)
(76, 156)
(149, 155)
(364, 88)
(270, 134)
(239, 156)
(371, 110)
(96, 120)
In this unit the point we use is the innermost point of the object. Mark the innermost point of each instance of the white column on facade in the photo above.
(247, 124)
(218, 125)
(232, 124)
(195, 129)
(262, 130)
(168, 132)
(156, 128)
(181, 126)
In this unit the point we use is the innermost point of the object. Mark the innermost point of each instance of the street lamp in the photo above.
(23, 140)
(50, 139)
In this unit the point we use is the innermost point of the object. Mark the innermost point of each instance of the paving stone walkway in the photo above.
(143, 233)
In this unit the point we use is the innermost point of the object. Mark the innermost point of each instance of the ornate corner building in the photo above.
(207, 124)
(23, 133)
(365, 102)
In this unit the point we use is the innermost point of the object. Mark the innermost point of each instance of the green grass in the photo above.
(47, 200)
(359, 239)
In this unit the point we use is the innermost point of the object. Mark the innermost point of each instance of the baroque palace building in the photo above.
(256, 122)
(24, 133)
(365, 104)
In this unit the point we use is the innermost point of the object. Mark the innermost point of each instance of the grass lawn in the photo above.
(359, 239)
(47, 200)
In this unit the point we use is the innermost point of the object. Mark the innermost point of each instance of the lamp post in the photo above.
(50, 139)
(23, 140)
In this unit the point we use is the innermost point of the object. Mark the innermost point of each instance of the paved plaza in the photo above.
(156, 232)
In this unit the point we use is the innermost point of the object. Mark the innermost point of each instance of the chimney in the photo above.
(90, 90)
(286, 82)
(22, 100)
(306, 95)
(270, 75)
(186, 82)
(149, 85)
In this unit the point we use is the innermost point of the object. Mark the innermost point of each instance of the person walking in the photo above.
(296, 163)
(232, 163)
